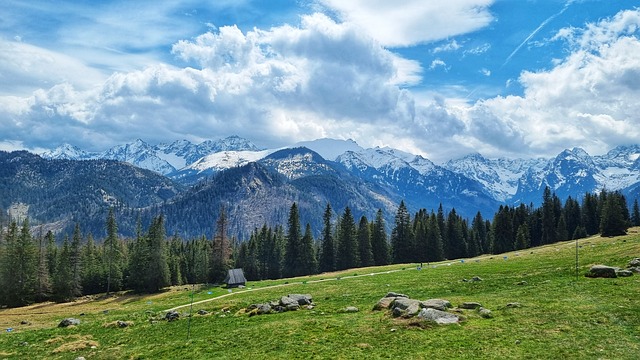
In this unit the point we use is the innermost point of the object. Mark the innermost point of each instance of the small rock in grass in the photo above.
(624, 273)
(393, 294)
(68, 322)
(172, 316)
(476, 278)
(351, 309)
(514, 305)
(437, 304)
(439, 317)
(203, 312)
(601, 271)
(485, 313)
(634, 263)
(470, 305)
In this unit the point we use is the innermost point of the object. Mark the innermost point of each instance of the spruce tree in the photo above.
(562, 233)
(635, 214)
(221, 251)
(502, 231)
(364, 242)
(590, 214)
(19, 266)
(548, 218)
(157, 273)
(43, 280)
(402, 236)
(76, 261)
(434, 240)
(379, 244)
(307, 253)
(328, 250)
(292, 265)
(52, 253)
(421, 246)
(613, 222)
(347, 256)
(63, 289)
(92, 273)
(457, 244)
(113, 255)
(523, 239)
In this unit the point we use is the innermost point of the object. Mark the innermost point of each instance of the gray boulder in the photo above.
(437, 316)
(485, 313)
(263, 309)
(437, 304)
(301, 299)
(384, 303)
(601, 271)
(172, 315)
(624, 273)
(351, 309)
(405, 307)
(395, 295)
(634, 263)
(470, 305)
(68, 322)
(286, 301)
(292, 307)
(203, 312)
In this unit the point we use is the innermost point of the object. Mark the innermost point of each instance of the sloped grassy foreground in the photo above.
(559, 315)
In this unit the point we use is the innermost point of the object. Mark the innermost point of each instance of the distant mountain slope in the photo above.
(67, 190)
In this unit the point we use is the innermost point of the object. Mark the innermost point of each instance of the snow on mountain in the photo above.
(140, 154)
(499, 176)
(67, 152)
(330, 149)
(618, 169)
(298, 162)
(225, 160)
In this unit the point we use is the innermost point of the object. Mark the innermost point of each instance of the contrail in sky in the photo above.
(566, 6)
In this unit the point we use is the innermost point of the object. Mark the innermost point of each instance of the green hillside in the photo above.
(560, 316)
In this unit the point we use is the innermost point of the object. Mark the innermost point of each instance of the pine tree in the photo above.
(328, 251)
(562, 233)
(635, 217)
(157, 273)
(457, 244)
(590, 214)
(92, 274)
(307, 253)
(402, 236)
(221, 260)
(548, 218)
(613, 222)
(364, 242)
(479, 232)
(19, 266)
(43, 282)
(379, 244)
(420, 234)
(434, 240)
(113, 255)
(523, 239)
(76, 262)
(139, 260)
(347, 256)
(292, 265)
(175, 260)
(502, 231)
(52, 253)
(63, 289)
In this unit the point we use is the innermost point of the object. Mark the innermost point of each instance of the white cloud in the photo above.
(588, 99)
(438, 63)
(485, 72)
(449, 46)
(410, 22)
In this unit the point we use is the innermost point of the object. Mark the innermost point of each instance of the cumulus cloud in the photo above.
(588, 99)
(410, 22)
(275, 86)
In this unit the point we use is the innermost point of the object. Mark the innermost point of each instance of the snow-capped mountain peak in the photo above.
(330, 149)
(67, 152)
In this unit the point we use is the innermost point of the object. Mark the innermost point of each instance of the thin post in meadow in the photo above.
(190, 313)
(577, 260)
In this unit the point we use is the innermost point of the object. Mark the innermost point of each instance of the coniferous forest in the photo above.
(37, 267)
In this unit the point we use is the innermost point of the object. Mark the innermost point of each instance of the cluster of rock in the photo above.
(69, 322)
(290, 302)
(604, 271)
(436, 310)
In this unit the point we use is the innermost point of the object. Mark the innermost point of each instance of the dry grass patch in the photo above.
(79, 342)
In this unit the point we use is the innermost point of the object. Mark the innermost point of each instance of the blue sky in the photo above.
(442, 79)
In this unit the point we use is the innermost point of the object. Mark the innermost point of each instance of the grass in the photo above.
(560, 316)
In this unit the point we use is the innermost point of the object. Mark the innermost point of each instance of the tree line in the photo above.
(36, 268)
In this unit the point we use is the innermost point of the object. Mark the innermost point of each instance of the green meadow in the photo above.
(562, 314)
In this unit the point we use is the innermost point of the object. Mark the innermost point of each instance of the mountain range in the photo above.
(258, 185)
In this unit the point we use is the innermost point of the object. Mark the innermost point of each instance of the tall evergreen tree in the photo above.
(457, 244)
(523, 239)
(479, 231)
(434, 240)
(157, 273)
(420, 230)
(52, 253)
(328, 250)
(113, 255)
(548, 218)
(347, 256)
(364, 242)
(43, 280)
(307, 252)
(613, 222)
(92, 273)
(63, 289)
(635, 214)
(402, 236)
(292, 264)
(221, 255)
(562, 233)
(76, 261)
(502, 231)
(590, 214)
(19, 266)
(379, 244)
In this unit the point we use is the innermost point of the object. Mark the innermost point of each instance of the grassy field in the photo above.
(561, 317)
